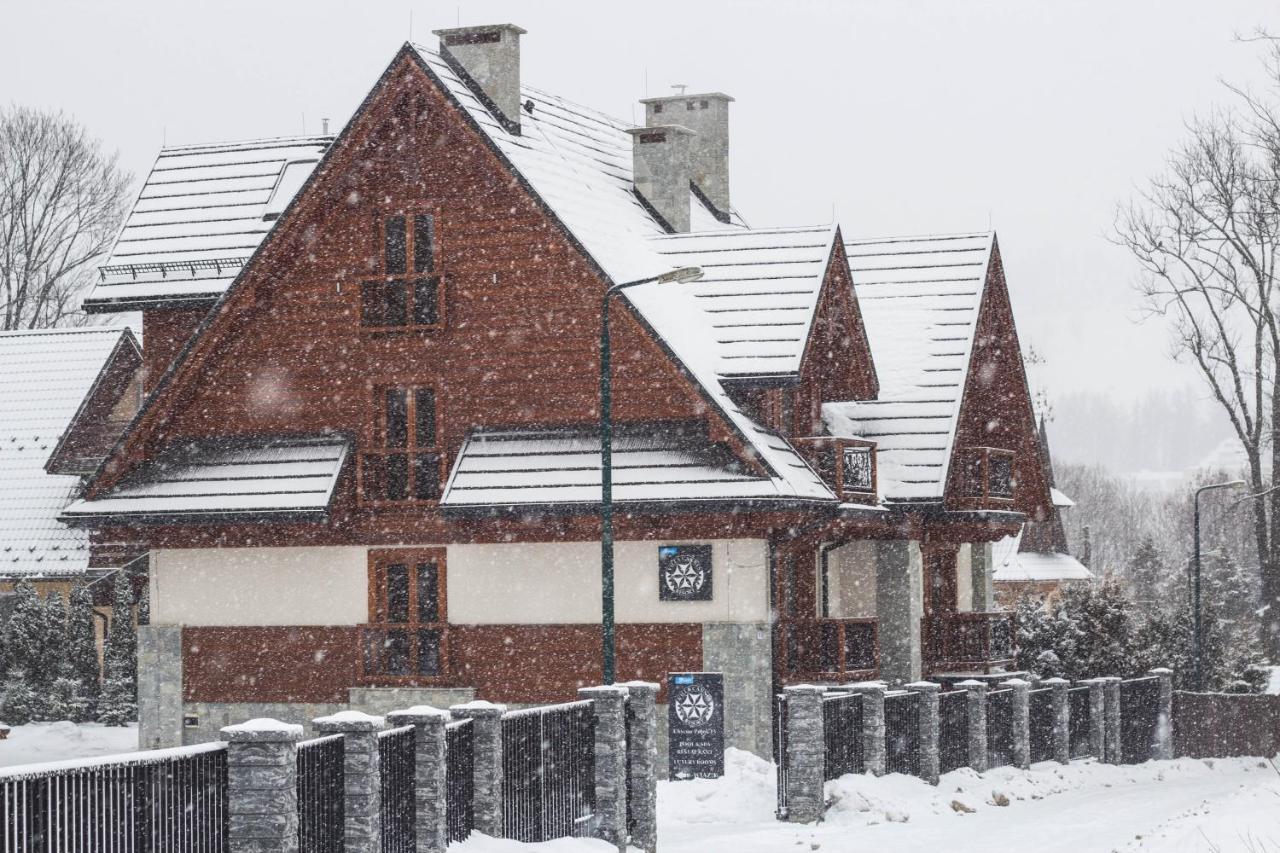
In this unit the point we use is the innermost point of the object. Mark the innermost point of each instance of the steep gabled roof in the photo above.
(44, 378)
(920, 298)
(201, 213)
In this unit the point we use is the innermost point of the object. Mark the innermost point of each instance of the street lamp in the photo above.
(1195, 593)
(681, 275)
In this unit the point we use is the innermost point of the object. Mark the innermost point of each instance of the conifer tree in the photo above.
(1144, 571)
(81, 656)
(30, 644)
(119, 700)
(18, 707)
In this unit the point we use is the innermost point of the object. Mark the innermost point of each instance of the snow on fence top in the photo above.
(130, 759)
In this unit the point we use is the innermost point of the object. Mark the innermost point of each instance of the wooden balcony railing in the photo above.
(403, 654)
(964, 642)
(829, 649)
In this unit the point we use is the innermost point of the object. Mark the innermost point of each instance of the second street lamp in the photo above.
(608, 649)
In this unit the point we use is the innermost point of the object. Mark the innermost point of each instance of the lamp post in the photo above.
(681, 276)
(1195, 589)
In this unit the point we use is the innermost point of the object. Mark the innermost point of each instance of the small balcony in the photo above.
(839, 650)
(967, 642)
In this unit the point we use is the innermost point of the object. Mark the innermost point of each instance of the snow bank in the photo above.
(38, 743)
(479, 843)
(746, 793)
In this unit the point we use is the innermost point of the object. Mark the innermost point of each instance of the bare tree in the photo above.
(61, 202)
(1206, 234)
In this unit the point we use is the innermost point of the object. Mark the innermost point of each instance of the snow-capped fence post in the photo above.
(642, 752)
(262, 786)
(977, 696)
(428, 774)
(873, 725)
(1162, 748)
(609, 704)
(1021, 721)
(486, 731)
(1111, 719)
(930, 728)
(1061, 718)
(1097, 717)
(806, 754)
(362, 779)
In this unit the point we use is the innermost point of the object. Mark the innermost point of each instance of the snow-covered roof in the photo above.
(44, 377)
(919, 298)
(272, 477)
(201, 214)
(1060, 499)
(557, 467)
(1012, 565)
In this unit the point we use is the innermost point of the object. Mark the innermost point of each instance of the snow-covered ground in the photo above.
(40, 742)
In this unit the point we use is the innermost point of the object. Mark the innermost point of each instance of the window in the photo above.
(406, 464)
(1000, 474)
(408, 632)
(403, 298)
(857, 469)
(987, 472)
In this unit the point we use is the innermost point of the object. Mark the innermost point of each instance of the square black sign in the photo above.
(684, 573)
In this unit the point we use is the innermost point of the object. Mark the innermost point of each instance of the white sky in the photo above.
(901, 117)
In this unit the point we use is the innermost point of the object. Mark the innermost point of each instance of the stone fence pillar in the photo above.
(1097, 717)
(1162, 748)
(806, 754)
(977, 700)
(429, 782)
(873, 725)
(486, 731)
(1061, 718)
(262, 786)
(610, 706)
(1021, 721)
(930, 729)
(1111, 719)
(363, 783)
(642, 753)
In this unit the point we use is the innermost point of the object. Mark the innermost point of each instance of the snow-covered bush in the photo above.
(81, 656)
(18, 707)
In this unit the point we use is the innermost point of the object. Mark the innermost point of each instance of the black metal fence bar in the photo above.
(396, 749)
(842, 733)
(999, 728)
(780, 750)
(1078, 725)
(1041, 709)
(548, 758)
(152, 801)
(902, 733)
(321, 782)
(459, 757)
(953, 730)
(1139, 719)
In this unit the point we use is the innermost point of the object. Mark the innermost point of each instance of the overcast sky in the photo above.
(894, 117)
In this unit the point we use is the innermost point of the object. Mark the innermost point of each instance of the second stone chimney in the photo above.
(661, 162)
(487, 58)
(708, 116)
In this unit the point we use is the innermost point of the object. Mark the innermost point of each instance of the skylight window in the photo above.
(292, 177)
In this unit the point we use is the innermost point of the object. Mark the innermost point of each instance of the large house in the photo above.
(367, 468)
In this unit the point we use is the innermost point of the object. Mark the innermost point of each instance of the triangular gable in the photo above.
(103, 414)
(837, 355)
(1048, 535)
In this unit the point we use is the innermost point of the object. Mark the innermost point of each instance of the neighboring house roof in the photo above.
(1013, 565)
(654, 462)
(44, 377)
(201, 214)
(919, 298)
(276, 477)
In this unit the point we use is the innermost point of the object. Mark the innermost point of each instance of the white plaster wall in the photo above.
(259, 586)
(540, 583)
(851, 581)
(964, 579)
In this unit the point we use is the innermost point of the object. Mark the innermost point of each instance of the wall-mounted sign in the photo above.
(684, 573)
(695, 725)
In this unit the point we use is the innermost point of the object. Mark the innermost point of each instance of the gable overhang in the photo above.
(127, 346)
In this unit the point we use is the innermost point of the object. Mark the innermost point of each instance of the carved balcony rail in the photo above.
(964, 642)
(829, 649)
(392, 653)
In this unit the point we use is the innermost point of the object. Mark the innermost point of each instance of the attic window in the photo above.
(988, 472)
(291, 178)
(403, 298)
(857, 469)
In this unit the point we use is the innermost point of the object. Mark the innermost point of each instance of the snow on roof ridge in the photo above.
(746, 230)
(231, 144)
(918, 238)
(62, 330)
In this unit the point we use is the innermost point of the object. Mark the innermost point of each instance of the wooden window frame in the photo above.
(409, 278)
(379, 559)
(975, 474)
(812, 449)
(856, 495)
(376, 445)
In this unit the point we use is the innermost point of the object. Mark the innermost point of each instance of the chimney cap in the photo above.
(662, 128)
(479, 29)
(688, 96)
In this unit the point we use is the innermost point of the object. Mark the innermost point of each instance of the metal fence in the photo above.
(1040, 707)
(780, 749)
(1000, 728)
(396, 749)
(842, 732)
(953, 730)
(1078, 725)
(902, 733)
(1139, 718)
(173, 799)
(321, 782)
(459, 780)
(548, 771)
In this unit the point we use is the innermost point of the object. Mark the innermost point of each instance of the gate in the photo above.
(902, 733)
(548, 771)
(842, 733)
(1000, 728)
(1139, 718)
(1041, 711)
(953, 730)
(399, 804)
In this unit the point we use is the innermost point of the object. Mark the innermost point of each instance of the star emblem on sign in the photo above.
(685, 576)
(695, 706)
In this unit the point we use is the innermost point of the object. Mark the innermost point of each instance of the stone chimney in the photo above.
(708, 116)
(487, 58)
(661, 161)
